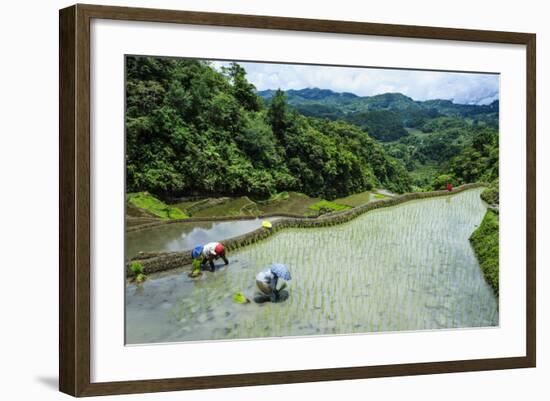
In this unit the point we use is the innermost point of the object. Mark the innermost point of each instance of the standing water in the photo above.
(406, 267)
(184, 235)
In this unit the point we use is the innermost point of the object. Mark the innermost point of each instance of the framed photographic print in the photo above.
(250, 200)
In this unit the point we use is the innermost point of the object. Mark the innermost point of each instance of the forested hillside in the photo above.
(437, 141)
(192, 130)
(410, 113)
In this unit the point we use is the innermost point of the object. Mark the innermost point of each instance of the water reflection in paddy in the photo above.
(186, 235)
(408, 267)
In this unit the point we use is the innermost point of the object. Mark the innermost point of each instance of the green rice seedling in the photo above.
(240, 298)
(325, 206)
(137, 269)
(195, 269)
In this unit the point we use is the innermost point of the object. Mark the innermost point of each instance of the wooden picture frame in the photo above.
(74, 200)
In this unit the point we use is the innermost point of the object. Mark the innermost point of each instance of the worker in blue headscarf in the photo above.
(267, 280)
(208, 253)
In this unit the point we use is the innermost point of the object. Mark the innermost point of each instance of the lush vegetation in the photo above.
(239, 206)
(491, 194)
(137, 269)
(448, 149)
(154, 206)
(478, 160)
(325, 206)
(240, 298)
(280, 203)
(192, 130)
(384, 125)
(436, 140)
(325, 103)
(485, 242)
(279, 197)
(355, 199)
(295, 203)
(196, 268)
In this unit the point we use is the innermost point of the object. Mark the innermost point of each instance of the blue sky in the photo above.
(466, 88)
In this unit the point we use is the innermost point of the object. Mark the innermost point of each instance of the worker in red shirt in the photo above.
(449, 187)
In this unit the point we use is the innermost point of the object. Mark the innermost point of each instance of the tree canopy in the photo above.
(193, 129)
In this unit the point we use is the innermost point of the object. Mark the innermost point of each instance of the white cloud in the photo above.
(419, 85)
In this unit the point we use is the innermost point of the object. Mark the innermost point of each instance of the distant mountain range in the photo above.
(393, 101)
(385, 116)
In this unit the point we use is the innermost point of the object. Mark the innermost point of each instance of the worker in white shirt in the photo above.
(267, 280)
(209, 253)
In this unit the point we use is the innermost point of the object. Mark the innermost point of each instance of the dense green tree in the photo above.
(244, 91)
(325, 103)
(478, 162)
(448, 145)
(278, 115)
(191, 129)
(384, 125)
(440, 182)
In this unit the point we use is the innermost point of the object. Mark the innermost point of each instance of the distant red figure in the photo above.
(449, 187)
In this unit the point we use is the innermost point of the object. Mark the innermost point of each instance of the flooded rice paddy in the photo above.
(407, 267)
(186, 235)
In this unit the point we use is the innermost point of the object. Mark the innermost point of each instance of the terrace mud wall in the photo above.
(145, 223)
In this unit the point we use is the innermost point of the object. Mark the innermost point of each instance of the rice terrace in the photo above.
(273, 200)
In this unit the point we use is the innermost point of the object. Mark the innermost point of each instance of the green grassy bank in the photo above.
(491, 194)
(154, 206)
(485, 243)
